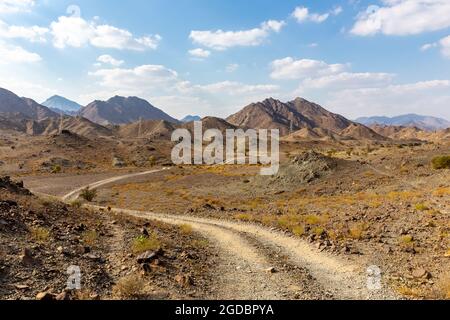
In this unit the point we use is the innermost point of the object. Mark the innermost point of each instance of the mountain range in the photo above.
(427, 123)
(10, 103)
(62, 105)
(300, 114)
(298, 119)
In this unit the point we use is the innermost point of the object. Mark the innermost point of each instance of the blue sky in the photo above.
(209, 57)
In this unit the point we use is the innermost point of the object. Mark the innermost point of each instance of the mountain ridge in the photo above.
(123, 110)
(428, 123)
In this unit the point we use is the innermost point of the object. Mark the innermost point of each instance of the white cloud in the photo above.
(236, 88)
(15, 54)
(222, 40)
(445, 46)
(32, 34)
(15, 6)
(288, 68)
(200, 53)
(141, 78)
(29, 89)
(403, 17)
(393, 100)
(348, 80)
(77, 32)
(107, 59)
(302, 14)
(428, 46)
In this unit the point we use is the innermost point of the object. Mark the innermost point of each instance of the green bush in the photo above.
(88, 194)
(442, 162)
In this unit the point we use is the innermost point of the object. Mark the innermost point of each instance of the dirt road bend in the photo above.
(249, 267)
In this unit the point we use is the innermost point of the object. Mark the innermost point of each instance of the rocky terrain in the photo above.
(120, 257)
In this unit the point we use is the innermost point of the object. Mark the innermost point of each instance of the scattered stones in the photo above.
(45, 296)
(421, 273)
(184, 280)
(149, 256)
(271, 270)
(26, 257)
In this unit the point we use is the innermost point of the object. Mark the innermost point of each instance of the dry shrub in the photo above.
(142, 244)
(442, 162)
(90, 237)
(129, 288)
(186, 229)
(40, 234)
(88, 194)
(356, 231)
(444, 287)
(243, 217)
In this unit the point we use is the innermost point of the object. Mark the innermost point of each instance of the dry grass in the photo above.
(129, 287)
(76, 204)
(243, 217)
(298, 230)
(407, 240)
(444, 287)
(356, 231)
(421, 207)
(186, 229)
(142, 244)
(409, 292)
(90, 238)
(40, 234)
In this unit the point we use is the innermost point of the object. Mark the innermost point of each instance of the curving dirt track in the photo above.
(257, 263)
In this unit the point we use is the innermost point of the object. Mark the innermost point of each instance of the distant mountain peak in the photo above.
(123, 110)
(61, 105)
(428, 123)
(190, 118)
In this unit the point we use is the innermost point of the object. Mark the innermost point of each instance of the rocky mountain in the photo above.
(190, 118)
(10, 103)
(408, 120)
(78, 125)
(148, 129)
(121, 110)
(298, 115)
(62, 105)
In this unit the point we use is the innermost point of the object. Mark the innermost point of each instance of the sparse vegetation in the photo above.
(90, 237)
(444, 287)
(76, 204)
(129, 287)
(186, 229)
(441, 162)
(421, 207)
(56, 169)
(356, 231)
(40, 234)
(243, 217)
(88, 194)
(142, 243)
